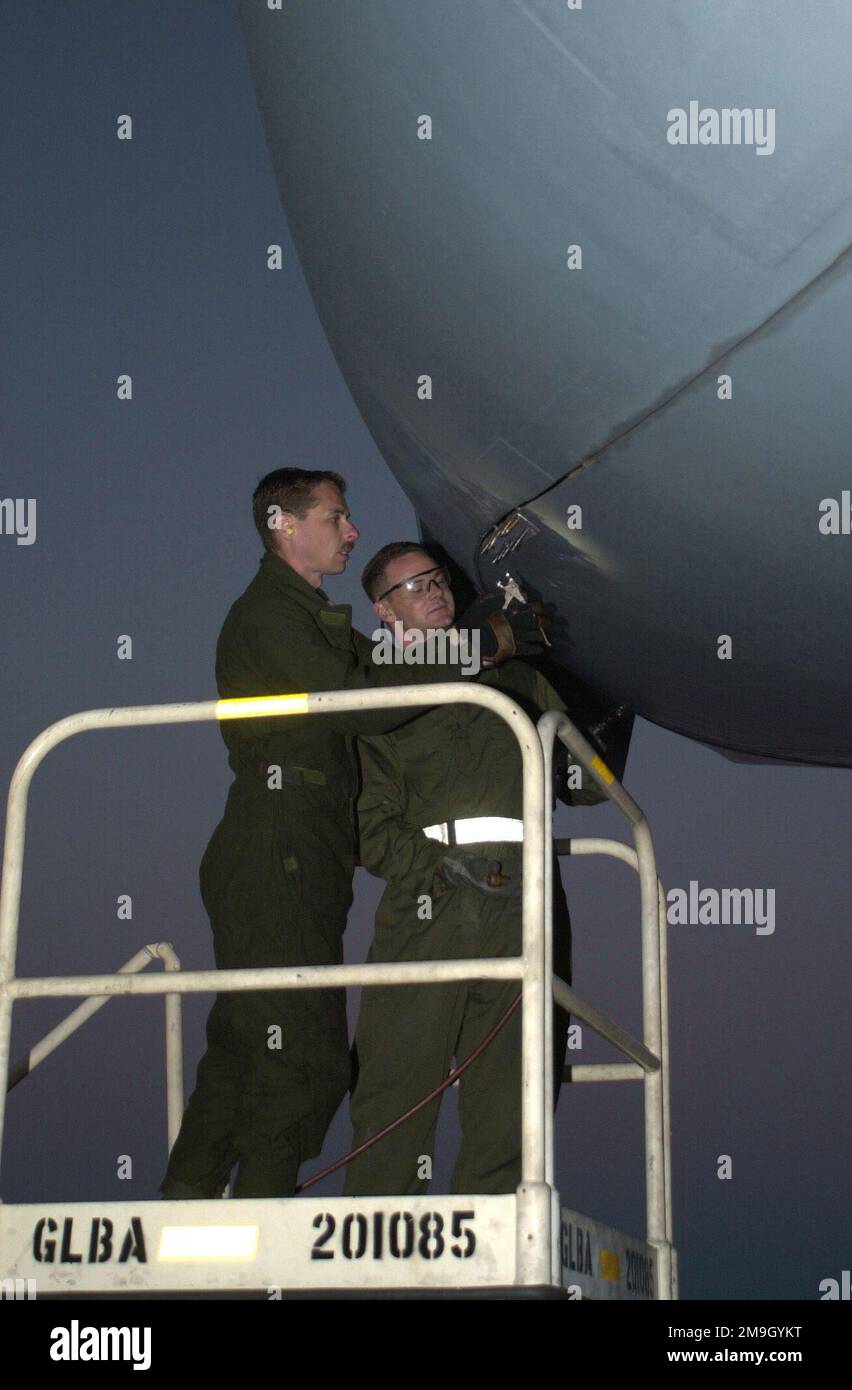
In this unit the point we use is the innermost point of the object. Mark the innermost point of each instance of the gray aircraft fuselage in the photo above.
(586, 272)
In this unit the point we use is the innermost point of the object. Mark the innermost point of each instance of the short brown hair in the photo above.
(291, 490)
(374, 572)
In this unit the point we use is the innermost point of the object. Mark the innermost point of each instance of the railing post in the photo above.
(655, 1160)
(654, 998)
(534, 1224)
(667, 1124)
(10, 897)
(174, 1046)
(546, 732)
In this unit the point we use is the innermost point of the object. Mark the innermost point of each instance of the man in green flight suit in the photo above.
(439, 820)
(276, 878)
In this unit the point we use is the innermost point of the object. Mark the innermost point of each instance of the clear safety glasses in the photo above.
(420, 583)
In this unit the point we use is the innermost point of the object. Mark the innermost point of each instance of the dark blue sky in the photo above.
(148, 257)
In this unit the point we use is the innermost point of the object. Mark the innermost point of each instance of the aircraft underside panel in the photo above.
(618, 249)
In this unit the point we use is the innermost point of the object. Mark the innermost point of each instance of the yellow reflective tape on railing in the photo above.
(600, 766)
(261, 704)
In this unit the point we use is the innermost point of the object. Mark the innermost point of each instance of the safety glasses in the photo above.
(420, 583)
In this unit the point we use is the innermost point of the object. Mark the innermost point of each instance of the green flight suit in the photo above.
(276, 880)
(452, 763)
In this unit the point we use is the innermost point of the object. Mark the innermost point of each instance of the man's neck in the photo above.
(310, 576)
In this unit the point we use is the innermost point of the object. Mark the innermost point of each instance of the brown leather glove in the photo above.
(504, 633)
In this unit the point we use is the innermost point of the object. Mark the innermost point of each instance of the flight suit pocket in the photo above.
(314, 828)
(335, 624)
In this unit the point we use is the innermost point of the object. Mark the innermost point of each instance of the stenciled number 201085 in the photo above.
(400, 1235)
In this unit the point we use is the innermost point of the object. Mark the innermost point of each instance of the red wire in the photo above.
(453, 1076)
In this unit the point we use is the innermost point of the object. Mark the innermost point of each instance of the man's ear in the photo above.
(279, 524)
(277, 521)
(382, 611)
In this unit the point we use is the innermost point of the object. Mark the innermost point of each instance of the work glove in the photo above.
(505, 632)
(463, 869)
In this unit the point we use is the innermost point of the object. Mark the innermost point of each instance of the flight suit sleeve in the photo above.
(303, 658)
(388, 847)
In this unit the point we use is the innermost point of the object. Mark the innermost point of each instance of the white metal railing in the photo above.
(617, 1071)
(161, 950)
(652, 1055)
(537, 1259)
